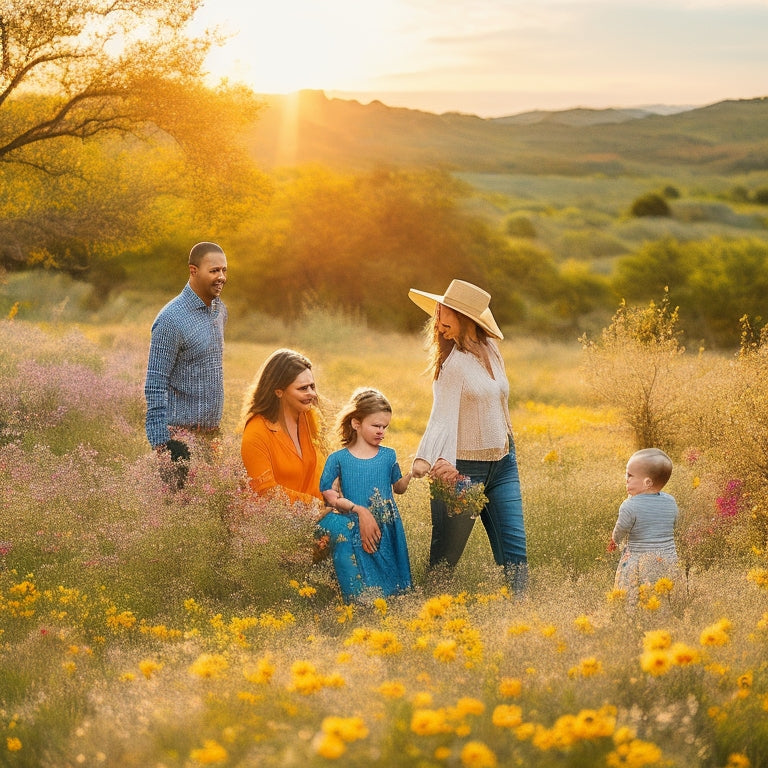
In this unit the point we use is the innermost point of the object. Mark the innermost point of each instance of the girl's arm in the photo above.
(334, 499)
(402, 484)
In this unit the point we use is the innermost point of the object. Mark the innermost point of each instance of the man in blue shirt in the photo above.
(184, 387)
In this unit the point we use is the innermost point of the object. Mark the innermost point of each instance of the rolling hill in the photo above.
(307, 127)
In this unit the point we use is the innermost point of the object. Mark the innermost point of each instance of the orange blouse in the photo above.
(271, 459)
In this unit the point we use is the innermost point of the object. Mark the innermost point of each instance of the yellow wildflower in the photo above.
(590, 666)
(210, 753)
(744, 684)
(348, 729)
(469, 706)
(584, 624)
(392, 690)
(657, 639)
(682, 654)
(116, 620)
(525, 731)
(663, 586)
(442, 753)
(383, 643)
(329, 746)
(551, 457)
(380, 604)
(445, 650)
(738, 760)
(262, 673)
(209, 665)
(652, 603)
(716, 634)
(656, 662)
(428, 722)
(615, 594)
(507, 716)
(623, 735)
(633, 754)
(510, 687)
(13, 744)
(758, 576)
(148, 667)
(519, 629)
(475, 754)
(595, 724)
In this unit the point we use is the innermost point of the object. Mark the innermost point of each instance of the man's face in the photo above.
(208, 279)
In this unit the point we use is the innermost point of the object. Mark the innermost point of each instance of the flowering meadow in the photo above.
(142, 626)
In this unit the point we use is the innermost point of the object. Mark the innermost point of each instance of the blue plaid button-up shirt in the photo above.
(185, 376)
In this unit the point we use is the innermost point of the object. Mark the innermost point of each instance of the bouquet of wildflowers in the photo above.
(461, 497)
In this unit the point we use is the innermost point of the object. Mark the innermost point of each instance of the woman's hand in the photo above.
(419, 468)
(370, 533)
(444, 470)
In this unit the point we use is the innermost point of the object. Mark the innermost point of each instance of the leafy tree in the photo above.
(520, 226)
(358, 243)
(656, 267)
(103, 113)
(714, 282)
(580, 292)
(650, 204)
(91, 66)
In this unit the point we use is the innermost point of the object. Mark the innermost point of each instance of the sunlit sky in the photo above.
(496, 57)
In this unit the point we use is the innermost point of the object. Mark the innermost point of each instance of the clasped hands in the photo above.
(441, 469)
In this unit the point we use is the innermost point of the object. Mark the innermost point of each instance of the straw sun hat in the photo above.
(461, 297)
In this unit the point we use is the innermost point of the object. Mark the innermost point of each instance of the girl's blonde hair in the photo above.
(364, 402)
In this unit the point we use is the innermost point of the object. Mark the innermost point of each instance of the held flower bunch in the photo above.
(461, 497)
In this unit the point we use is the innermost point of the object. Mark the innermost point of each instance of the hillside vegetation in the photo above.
(332, 204)
(723, 138)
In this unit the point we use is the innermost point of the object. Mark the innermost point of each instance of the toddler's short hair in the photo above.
(656, 463)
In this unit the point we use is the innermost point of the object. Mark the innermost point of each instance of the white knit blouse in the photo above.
(470, 410)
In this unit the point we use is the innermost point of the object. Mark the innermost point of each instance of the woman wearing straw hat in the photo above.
(469, 433)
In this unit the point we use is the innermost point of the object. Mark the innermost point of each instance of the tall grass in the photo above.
(143, 627)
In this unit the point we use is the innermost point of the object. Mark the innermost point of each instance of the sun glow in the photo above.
(285, 46)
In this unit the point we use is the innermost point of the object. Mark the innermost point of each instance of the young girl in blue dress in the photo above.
(365, 534)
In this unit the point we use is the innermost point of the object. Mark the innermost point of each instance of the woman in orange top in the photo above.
(281, 435)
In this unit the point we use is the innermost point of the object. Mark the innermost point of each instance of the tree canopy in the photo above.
(104, 120)
(96, 62)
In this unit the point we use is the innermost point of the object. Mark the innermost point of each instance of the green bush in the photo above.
(650, 204)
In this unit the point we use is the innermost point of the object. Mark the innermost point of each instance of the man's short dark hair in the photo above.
(199, 251)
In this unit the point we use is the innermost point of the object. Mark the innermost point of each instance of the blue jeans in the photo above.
(502, 515)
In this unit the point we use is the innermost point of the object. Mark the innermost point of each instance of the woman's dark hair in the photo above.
(278, 371)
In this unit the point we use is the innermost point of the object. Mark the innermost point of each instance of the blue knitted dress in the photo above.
(367, 483)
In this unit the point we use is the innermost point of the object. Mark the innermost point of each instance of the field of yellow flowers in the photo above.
(145, 627)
